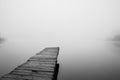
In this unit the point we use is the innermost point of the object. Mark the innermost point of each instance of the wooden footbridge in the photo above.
(42, 66)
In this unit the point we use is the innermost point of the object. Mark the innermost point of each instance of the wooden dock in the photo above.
(42, 66)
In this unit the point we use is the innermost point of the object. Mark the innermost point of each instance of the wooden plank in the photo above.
(28, 72)
(34, 68)
(12, 79)
(17, 76)
(42, 59)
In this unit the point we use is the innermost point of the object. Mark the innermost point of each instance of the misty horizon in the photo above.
(87, 32)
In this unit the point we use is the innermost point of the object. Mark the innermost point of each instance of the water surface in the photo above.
(83, 29)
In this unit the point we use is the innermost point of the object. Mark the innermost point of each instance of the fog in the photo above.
(85, 31)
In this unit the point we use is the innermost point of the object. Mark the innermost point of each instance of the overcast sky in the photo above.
(82, 29)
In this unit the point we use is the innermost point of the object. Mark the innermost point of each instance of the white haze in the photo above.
(81, 28)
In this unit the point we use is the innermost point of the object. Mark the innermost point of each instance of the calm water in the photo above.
(83, 30)
(89, 61)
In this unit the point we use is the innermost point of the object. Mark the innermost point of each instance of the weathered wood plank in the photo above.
(34, 68)
(30, 72)
(17, 76)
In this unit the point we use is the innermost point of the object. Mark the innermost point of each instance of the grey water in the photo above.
(87, 32)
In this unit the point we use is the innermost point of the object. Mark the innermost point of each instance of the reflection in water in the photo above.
(1, 40)
(116, 41)
(116, 38)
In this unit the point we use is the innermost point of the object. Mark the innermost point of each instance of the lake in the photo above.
(82, 29)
